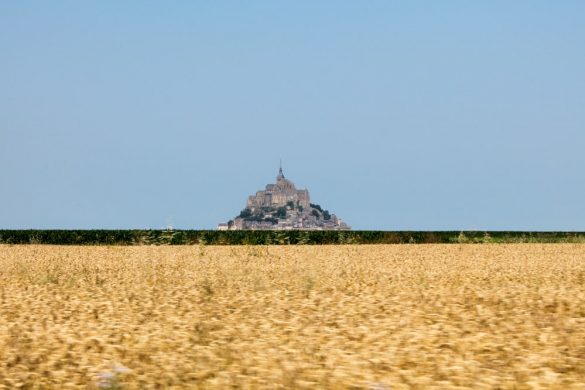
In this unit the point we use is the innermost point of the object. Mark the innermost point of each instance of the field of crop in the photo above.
(372, 317)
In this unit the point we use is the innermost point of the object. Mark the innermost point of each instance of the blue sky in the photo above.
(398, 115)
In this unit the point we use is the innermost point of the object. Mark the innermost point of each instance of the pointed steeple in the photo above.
(280, 174)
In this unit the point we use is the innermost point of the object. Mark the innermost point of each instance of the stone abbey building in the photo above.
(279, 194)
(281, 206)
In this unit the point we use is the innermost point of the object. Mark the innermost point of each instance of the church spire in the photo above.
(280, 174)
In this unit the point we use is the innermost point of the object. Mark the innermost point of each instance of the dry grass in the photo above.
(372, 317)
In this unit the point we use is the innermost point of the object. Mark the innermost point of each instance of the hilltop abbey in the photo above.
(281, 206)
(279, 194)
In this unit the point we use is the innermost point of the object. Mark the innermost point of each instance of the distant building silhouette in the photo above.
(280, 206)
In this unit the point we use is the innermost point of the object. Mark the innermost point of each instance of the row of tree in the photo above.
(270, 237)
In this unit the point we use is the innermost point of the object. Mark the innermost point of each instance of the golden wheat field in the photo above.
(340, 317)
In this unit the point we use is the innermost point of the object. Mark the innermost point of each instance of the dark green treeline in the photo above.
(275, 237)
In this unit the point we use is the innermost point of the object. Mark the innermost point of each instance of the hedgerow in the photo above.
(277, 237)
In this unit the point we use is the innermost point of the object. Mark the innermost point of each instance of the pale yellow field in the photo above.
(371, 317)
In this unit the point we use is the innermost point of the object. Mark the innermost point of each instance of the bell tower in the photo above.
(280, 174)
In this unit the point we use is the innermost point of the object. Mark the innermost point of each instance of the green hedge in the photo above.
(265, 237)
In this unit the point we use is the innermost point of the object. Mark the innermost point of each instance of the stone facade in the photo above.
(280, 206)
(279, 194)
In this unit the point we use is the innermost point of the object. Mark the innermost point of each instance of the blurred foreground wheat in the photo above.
(371, 317)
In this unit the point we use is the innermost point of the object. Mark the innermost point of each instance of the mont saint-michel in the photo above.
(281, 206)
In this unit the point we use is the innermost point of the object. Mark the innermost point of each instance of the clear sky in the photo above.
(395, 115)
